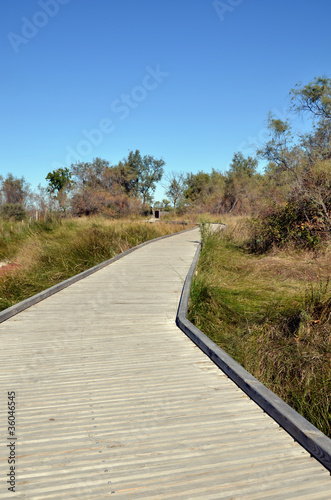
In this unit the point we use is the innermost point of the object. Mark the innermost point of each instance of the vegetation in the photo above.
(12, 211)
(296, 180)
(49, 252)
(59, 184)
(297, 223)
(174, 188)
(292, 197)
(120, 190)
(263, 289)
(87, 188)
(271, 313)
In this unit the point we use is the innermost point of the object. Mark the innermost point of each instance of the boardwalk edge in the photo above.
(25, 304)
(306, 434)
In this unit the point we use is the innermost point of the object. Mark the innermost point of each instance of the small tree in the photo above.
(175, 188)
(140, 174)
(314, 98)
(59, 184)
(14, 190)
(197, 187)
(87, 175)
(239, 182)
(279, 147)
(151, 173)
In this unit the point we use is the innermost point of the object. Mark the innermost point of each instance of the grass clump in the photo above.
(272, 313)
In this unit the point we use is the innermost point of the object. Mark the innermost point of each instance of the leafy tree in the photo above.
(316, 145)
(204, 191)
(315, 98)
(58, 180)
(14, 190)
(285, 158)
(132, 172)
(91, 187)
(101, 188)
(197, 186)
(112, 181)
(139, 175)
(59, 184)
(215, 200)
(165, 205)
(124, 177)
(89, 175)
(151, 173)
(242, 167)
(239, 183)
(278, 150)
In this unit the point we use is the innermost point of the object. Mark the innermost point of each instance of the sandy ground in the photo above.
(6, 266)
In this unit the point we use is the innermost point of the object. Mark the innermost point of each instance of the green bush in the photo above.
(12, 211)
(299, 222)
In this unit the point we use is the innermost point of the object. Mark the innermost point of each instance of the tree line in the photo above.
(87, 188)
(291, 194)
(290, 199)
(297, 165)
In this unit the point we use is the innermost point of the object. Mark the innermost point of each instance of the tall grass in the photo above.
(272, 314)
(50, 252)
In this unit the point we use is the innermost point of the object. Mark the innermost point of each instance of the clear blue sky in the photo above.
(177, 79)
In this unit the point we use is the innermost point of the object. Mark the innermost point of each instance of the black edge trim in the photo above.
(306, 434)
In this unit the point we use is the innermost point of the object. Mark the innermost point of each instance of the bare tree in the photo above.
(174, 187)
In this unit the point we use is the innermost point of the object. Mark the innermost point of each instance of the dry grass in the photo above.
(272, 313)
(49, 253)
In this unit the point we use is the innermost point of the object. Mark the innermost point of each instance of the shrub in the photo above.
(93, 202)
(299, 222)
(12, 211)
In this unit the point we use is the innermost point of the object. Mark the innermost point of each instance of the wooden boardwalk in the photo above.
(114, 401)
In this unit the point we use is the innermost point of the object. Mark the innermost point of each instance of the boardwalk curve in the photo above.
(115, 401)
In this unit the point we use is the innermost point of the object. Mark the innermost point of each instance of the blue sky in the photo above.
(191, 81)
